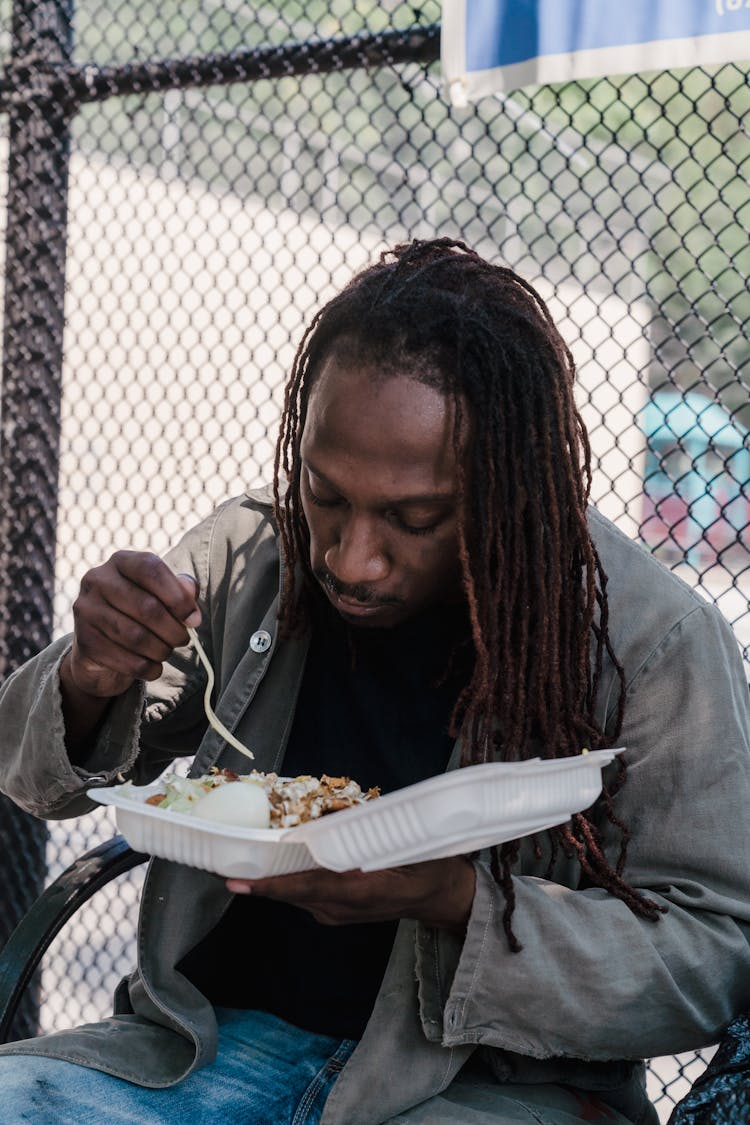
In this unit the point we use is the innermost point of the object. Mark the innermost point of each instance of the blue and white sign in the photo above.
(498, 45)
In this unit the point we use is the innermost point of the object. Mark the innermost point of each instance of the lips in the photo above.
(368, 609)
(349, 607)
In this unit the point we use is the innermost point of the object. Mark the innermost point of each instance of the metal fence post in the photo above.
(31, 389)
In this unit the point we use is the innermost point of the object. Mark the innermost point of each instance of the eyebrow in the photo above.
(396, 502)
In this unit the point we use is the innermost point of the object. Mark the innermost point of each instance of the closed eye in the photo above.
(418, 517)
(414, 528)
(323, 502)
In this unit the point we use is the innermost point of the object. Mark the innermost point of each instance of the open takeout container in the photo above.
(457, 812)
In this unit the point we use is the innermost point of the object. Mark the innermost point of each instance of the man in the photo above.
(428, 589)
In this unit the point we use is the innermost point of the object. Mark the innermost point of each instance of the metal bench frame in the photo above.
(55, 906)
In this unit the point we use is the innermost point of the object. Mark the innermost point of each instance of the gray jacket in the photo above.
(594, 989)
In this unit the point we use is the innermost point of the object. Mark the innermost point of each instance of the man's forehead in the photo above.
(381, 408)
(397, 489)
(343, 365)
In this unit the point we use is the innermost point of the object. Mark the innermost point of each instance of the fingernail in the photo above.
(194, 619)
(238, 887)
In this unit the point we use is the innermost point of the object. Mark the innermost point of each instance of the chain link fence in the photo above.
(196, 178)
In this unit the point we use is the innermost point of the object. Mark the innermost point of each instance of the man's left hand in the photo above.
(438, 892)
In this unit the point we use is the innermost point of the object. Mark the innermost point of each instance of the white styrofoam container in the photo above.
(239, 853)
(457, 812)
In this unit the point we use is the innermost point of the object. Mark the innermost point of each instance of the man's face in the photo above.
(379, 495)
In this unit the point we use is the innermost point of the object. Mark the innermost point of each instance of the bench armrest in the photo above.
(55, 906)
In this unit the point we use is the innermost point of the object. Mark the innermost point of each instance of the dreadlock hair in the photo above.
(534, 585)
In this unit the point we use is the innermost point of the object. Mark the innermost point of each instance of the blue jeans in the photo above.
(266, 1072)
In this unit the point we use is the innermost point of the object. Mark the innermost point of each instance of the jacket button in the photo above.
(260, 641)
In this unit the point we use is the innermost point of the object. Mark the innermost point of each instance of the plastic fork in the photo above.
(211, 715)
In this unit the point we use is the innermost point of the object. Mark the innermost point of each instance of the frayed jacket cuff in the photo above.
(438, 954)
(48, 784)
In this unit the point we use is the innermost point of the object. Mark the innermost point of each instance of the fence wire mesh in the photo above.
(223, 183)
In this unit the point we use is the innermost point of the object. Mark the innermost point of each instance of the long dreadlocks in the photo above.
(534, 584)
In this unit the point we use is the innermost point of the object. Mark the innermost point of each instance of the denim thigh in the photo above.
(266, 1072)
(472, 1100)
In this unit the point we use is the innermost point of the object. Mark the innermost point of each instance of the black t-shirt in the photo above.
(374, 705)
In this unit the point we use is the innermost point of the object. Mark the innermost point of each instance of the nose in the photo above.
(357, 554)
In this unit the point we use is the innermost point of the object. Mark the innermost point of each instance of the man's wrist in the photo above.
(82, 714)
(451, 910)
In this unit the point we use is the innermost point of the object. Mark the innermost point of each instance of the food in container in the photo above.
(455, 813)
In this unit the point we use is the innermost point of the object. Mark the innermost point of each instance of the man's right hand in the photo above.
(129, 615)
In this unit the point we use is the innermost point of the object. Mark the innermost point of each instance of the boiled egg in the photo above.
(241, 803)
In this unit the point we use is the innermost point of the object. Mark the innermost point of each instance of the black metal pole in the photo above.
(90, 83)
(31, 390)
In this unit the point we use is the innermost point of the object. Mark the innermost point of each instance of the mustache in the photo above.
(357, 593)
